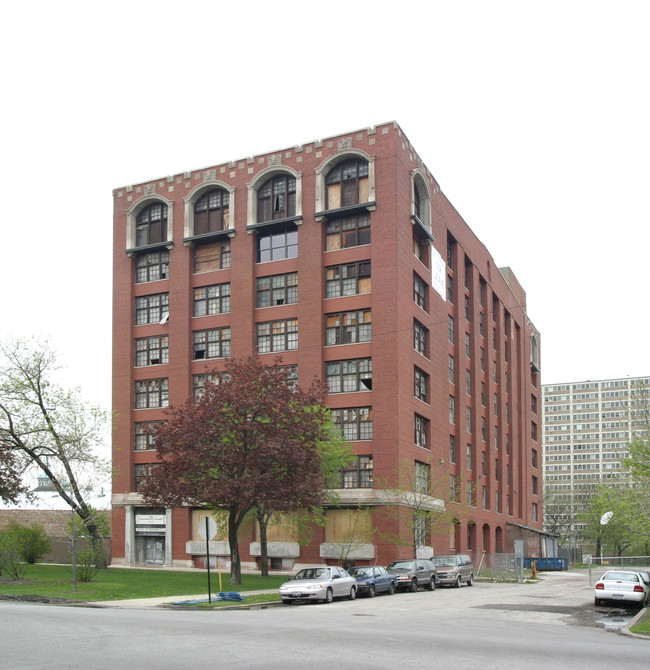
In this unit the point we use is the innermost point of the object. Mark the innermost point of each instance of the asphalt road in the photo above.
(487, 626)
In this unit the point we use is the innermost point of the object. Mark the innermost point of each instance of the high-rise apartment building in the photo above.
(587, 427)
(343, 257)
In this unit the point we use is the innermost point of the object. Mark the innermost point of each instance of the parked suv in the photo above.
(414, 572)
(454, 569)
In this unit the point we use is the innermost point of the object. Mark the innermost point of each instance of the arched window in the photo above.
(276, 198)
(471, 536)
(421, 203)
(534, 353)
(347, 183)
(151, 225)
(212, 212)
(418, 201)
(498, 540)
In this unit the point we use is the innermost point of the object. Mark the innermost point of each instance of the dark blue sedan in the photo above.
(372, 579)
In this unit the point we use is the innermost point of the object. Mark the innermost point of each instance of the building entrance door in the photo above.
(150, 549)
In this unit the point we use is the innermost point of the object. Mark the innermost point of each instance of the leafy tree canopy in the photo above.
(11, 485)
(255, 439)
(45, 426)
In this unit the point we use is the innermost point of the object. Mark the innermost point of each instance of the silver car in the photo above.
(322, 583)
(454, 569)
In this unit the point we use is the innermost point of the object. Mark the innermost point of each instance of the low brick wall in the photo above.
(55, 523)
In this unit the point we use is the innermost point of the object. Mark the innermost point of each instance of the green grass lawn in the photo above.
(55, 581)
(642, 626)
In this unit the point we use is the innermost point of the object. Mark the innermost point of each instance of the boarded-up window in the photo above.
(218, 523)
(348, 327)
(349, 279)
(347, 183)
(282, 528)
(349, 231)
(210, 257)
(353, 526)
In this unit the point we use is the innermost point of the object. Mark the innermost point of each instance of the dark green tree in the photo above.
(251, 441)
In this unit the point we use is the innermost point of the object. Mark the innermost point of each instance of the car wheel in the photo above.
(458, 583)
(391, 589)
(329, 596)
(371, 591)
(598, 602)
(287, 601)
(470, 581)
(431, 585)
(353, 593)
(413, 586)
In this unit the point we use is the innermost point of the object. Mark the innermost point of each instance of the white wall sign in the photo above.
(149, 519)
(438, 273)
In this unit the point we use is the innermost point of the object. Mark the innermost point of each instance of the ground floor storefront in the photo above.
(359, 534)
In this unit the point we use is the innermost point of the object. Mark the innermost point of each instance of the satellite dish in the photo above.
(605, 518)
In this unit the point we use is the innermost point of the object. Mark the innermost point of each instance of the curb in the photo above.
(626, 629)
(242, 606)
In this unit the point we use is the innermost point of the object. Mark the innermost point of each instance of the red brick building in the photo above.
(343, 257)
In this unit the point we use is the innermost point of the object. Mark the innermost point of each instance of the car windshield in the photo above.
(445, 560)
(360, 572)
(403, 565)
(313, 573)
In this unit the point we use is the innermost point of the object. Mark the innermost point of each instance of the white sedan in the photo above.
(621, 586)
(321, 584)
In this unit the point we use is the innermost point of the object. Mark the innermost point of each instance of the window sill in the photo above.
(274, 222)
(349, 295)
(149, 247)
(346, 344)
(208, 237)
(342, 211)
(354, 246)
(420, 229)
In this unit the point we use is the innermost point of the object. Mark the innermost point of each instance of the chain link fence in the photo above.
(501, 567)
(598, 565)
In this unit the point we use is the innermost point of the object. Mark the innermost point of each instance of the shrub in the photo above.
(88, 557)
(86, 562)
(10, 564)
(32, 541)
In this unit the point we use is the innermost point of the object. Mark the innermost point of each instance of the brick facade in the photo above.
(413, 230)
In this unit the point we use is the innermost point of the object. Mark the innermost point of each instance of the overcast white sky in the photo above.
(534, 118)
